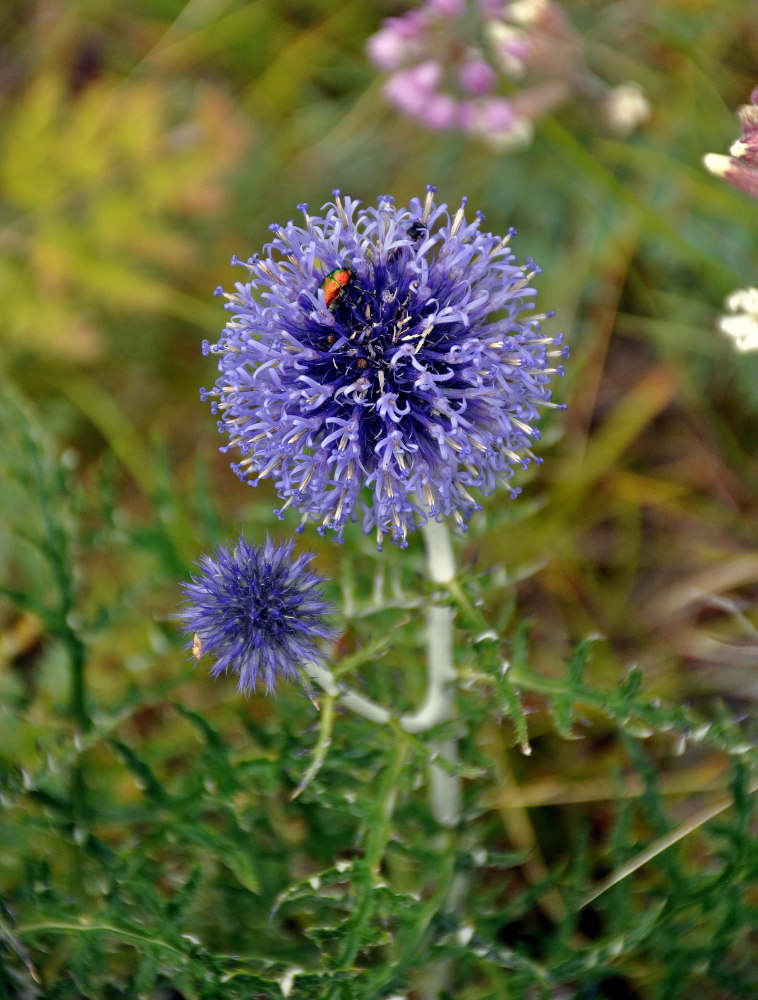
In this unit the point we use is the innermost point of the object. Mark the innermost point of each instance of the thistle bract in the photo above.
(420, 381)
(258, 610)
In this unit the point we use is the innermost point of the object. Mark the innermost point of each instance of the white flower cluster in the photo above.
(742, 324)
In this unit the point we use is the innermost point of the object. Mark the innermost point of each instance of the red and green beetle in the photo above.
(335, 283)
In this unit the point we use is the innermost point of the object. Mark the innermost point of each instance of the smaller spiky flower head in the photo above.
(385, 366)
(740, 168)
(258, 610)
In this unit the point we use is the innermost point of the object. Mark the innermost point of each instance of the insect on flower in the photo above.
(416, 378)
(335, 283)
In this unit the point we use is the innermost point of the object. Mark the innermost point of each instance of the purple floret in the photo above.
(421, 381)
(258, 611)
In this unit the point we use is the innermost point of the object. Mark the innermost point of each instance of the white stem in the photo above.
(440, 559)
(437, 706)
(438, 700)
(445, 789)
(350, 699)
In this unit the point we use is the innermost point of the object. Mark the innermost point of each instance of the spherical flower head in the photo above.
(258, 610)
(381, 363)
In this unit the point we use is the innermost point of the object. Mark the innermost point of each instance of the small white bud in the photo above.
(626, 107)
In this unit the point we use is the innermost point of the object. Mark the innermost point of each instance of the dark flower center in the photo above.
(263, 613)
(382, 339)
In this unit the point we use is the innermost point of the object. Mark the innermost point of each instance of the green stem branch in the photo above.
(378, 837)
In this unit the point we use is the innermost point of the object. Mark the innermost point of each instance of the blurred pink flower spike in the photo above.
(740, 168)
(491, 68)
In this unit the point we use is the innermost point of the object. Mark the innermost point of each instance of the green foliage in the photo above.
(93, 185)
(162, 837)
(154, 843)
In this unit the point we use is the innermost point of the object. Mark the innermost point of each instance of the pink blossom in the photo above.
(411, 89)
(397, 40)
(446, 8)
(478, 77)
(440, 112)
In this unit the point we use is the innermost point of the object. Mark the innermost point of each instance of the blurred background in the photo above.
(143, 142)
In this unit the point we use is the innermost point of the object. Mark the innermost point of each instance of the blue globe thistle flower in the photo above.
(384, 367)
(258, 611)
